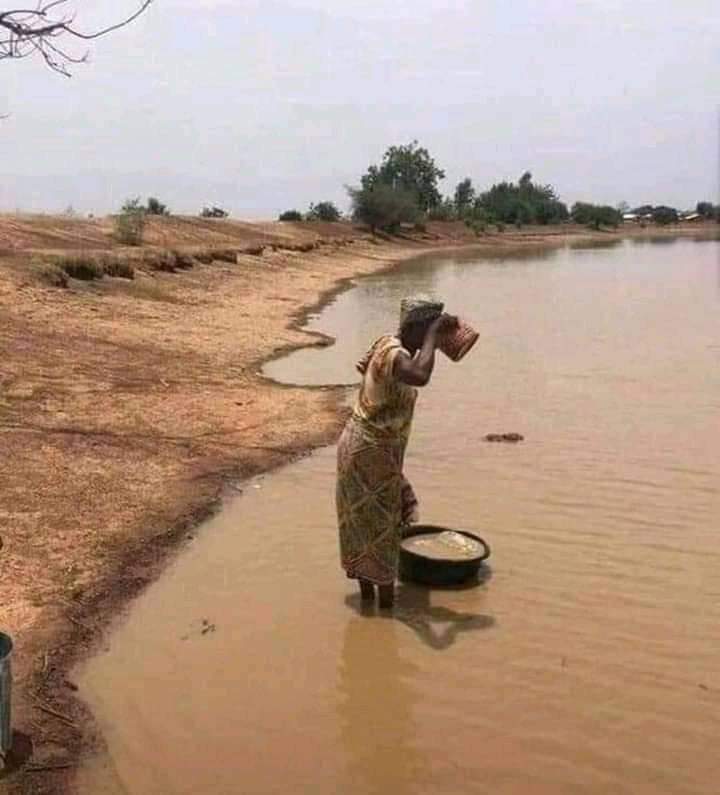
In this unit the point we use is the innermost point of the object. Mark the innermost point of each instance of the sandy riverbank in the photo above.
(129, 406)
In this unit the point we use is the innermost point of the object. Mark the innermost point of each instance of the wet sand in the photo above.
(587, 663)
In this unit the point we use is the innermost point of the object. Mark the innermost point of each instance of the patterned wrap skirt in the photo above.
(374, 501)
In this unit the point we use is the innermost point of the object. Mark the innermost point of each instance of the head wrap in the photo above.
(419, 309)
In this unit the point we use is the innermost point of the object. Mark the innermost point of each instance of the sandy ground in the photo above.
(127, 408)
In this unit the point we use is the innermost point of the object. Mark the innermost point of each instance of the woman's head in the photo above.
(416, 316)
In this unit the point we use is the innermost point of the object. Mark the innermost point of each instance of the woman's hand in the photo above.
(416, 371)
(444, 323)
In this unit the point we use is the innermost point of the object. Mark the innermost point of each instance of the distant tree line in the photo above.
(404, 189)
(708, 210)
(322, 211)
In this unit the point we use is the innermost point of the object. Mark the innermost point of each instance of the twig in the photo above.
(80, 623)
(43, 768)
(59, 715)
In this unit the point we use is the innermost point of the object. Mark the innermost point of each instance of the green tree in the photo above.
(130, 223)
(156, 207)
(595, 215)
(410, 169)
(664, 215)
(323, 211)
(623, 207)
(464, 197)
(706, 209)
(290, 215)
(522, 203)
(382, 206)
(445, 211)
(213, 212)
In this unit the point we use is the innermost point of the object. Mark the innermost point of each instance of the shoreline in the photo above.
(121, 566)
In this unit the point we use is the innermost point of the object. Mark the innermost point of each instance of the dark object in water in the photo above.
(504, 437)
(426, 570)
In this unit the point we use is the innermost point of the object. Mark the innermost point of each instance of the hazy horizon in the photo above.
(286, 101)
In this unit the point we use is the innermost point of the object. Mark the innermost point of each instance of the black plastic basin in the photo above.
(433, 571)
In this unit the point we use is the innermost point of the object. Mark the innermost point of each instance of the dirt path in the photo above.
(127, 407)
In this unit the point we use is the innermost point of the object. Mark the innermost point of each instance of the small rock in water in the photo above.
(504, 437)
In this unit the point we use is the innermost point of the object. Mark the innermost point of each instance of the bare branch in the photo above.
(25, 32)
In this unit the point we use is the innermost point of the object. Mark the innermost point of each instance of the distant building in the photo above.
(630, 217)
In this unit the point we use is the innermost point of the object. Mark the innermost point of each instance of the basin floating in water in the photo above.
(433, 555)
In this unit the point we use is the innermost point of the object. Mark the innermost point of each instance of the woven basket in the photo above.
(457, 341)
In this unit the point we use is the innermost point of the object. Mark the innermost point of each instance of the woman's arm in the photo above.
(416, 371)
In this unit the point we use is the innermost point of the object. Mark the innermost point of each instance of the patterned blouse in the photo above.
(385, 405)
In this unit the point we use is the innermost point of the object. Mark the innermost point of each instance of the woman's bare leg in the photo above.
(387, 595)
(367, 591)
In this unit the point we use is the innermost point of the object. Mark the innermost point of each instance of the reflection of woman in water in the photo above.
(374, 499)
(376, 712)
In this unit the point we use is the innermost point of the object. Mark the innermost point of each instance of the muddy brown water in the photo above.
(588, 662)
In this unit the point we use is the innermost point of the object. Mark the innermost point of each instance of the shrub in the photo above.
(595, 215)
(445, 211)
(53, 275)
(164, 261)
(323, 211)
(384, 207)
(183, 261)
(130, 223)
(214, 212)
(119, 269)
(290, 215)
(82, 267)
(225, 255)
(664, 215)
(156, 207)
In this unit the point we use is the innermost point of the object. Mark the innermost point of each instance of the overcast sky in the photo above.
(269, 104)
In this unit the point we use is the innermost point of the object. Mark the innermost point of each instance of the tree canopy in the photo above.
(595, 215)
(411, 169)
(464, 197)
(708, 210)
(522, 203)
(323, 211)
(383, 206)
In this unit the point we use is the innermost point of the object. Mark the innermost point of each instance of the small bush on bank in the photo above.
(214, 212)
(53, 275)
(82, 267)
(323, 211)
(383, 206)
(119, 269)
(445, 211)
(290, 215)
(156, 207)
(130, 223)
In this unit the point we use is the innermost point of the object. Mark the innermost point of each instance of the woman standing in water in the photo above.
(374, 499)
